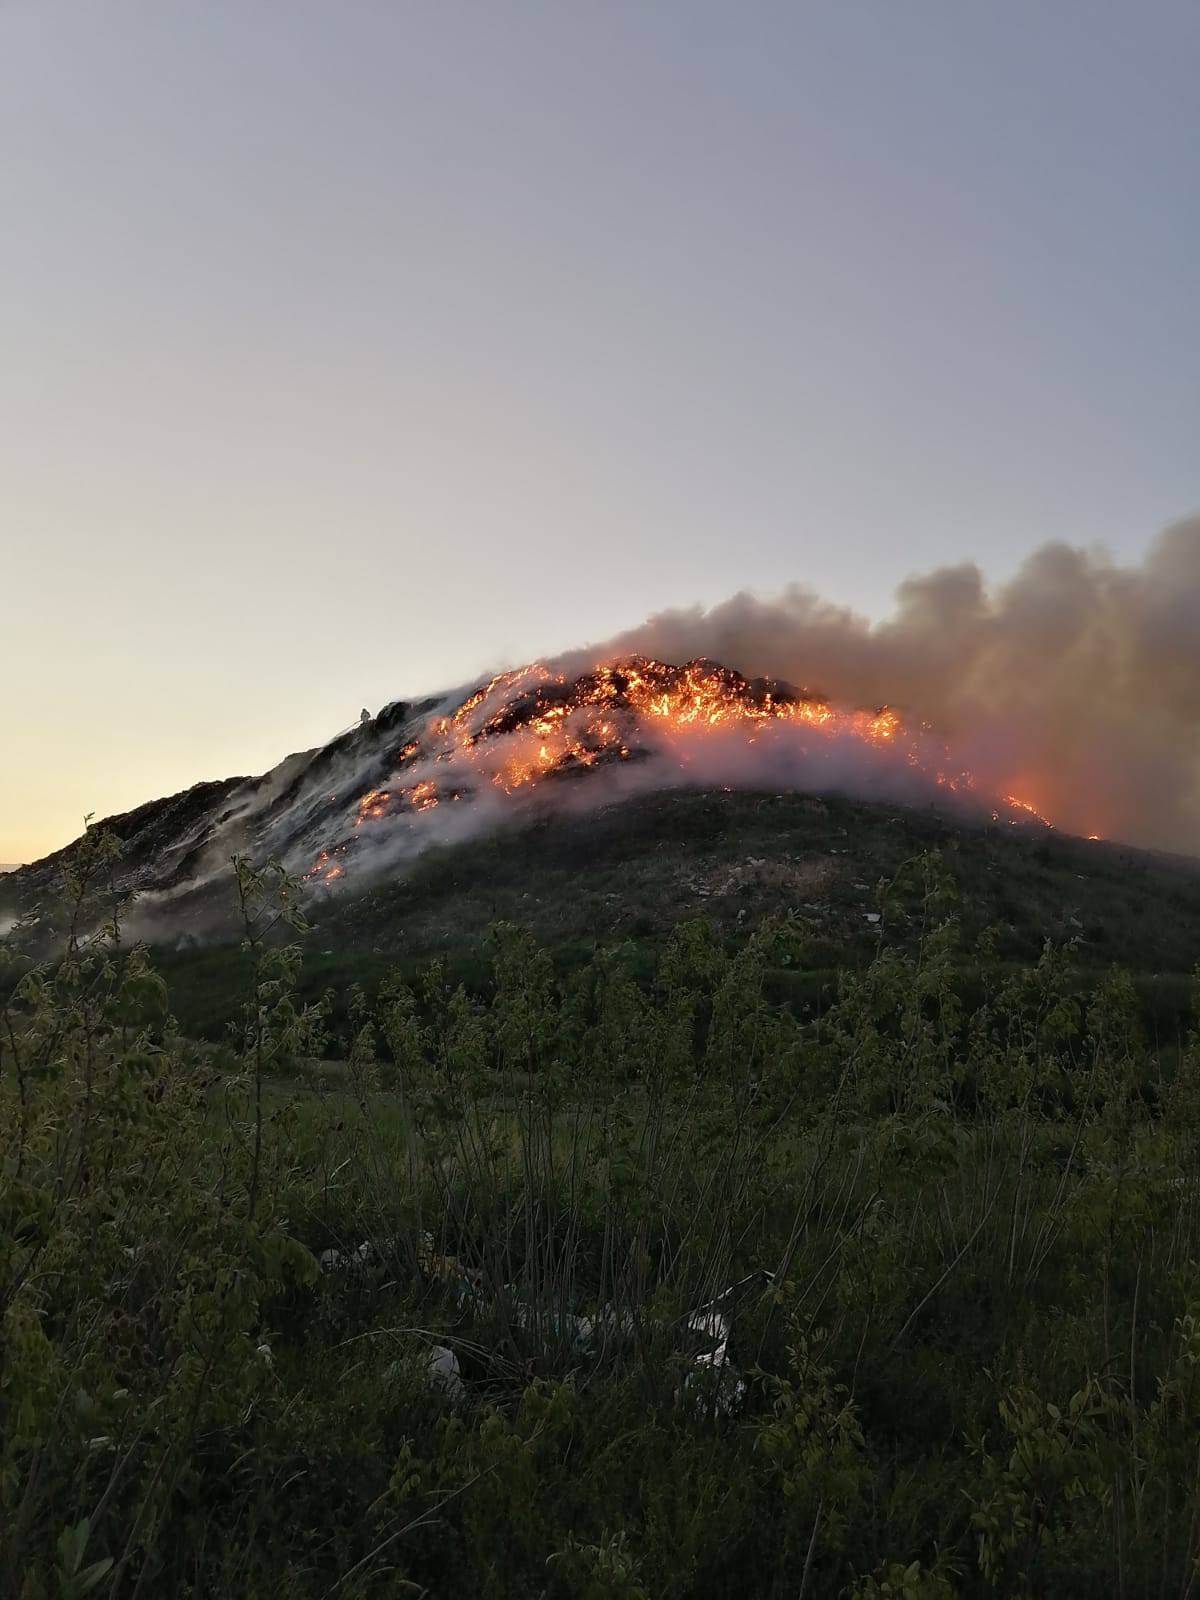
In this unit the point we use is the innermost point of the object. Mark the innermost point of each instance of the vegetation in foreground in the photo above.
(952, 1246)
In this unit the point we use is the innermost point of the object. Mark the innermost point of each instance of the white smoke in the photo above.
(1075, 686)
(505, 760)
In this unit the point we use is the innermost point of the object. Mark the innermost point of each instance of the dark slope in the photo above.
(637, 868)
(631, 872)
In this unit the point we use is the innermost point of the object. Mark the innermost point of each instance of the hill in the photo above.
(525, 745)
(631, 872)
(607, 807)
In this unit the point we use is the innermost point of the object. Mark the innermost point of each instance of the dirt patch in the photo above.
(798, 879)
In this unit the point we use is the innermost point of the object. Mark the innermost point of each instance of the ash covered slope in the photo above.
(175, 848)
(528, 742)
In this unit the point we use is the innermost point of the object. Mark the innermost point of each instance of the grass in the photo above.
(962, 1192)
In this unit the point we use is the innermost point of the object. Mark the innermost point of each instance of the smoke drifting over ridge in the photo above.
(1072, 693)
(1076, 685)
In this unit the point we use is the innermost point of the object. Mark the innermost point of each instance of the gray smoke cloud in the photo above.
(1075, 686)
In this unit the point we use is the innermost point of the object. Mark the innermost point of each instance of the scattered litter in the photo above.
(334, 1260)
(705, 1330)
(444, 1371)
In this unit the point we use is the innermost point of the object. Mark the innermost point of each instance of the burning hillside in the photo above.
(1069, 693)
(539, 739)
(645, 724)
(528, 726)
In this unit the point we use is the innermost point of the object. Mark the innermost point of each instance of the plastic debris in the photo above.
(444, 1371)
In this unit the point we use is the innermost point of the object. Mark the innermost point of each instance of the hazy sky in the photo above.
(347, 349)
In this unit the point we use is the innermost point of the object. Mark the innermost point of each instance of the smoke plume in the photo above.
(1073, 692)
(1076, 685)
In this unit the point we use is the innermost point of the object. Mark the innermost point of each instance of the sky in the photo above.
(349, 350)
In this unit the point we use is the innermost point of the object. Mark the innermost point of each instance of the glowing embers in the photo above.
(422, 796)
(550, 725)
(327, 868)
(379, 803)
(529, 725)
(374, 804)
(698, 723)
(1017, 812)
(1025, 806)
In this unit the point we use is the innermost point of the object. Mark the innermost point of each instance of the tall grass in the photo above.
(946, 1249)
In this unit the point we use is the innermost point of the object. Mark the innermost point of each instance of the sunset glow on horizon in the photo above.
(352, 355)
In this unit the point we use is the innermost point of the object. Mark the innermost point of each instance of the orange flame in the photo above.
(1025, 805)
(373, 805)
(532, 724)
(325, 867)
(578, 728)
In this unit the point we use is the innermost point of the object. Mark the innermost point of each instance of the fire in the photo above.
(373, 805)
(587, 721)
(325, 868)
(1025, 805)
(534, 725)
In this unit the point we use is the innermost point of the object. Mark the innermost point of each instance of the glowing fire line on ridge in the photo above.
(531, 725)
